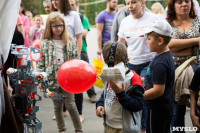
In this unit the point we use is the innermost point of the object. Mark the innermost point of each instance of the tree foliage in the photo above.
(90, 12)
(35, 6)
(32, 5)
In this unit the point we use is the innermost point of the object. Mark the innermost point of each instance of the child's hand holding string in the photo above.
(116, 88)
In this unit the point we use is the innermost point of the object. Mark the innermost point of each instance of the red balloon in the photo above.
(76, 76)
(36, 43)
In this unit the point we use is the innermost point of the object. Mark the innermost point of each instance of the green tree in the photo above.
(90, 12)
(121, 2)
(32, 5)
(42, 8)
(100, 7)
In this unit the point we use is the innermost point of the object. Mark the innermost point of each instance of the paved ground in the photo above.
(91, 124)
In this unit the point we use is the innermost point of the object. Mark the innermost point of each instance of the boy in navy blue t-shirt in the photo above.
(159, 79)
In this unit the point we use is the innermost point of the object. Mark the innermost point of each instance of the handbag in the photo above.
(98, 66)
(183, 78)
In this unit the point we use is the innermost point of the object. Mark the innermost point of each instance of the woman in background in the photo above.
(185, 24)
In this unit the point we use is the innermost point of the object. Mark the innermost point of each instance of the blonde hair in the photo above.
(119, 7)
(157, 8)
(48, 34)
(38, 16)
(28, 13)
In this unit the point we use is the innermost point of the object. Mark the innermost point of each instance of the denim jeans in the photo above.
(178, 117)
(141, 70)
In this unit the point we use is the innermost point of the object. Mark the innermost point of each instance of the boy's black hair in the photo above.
(157, 35)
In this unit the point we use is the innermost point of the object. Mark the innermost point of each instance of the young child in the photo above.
(159, 80)
(57, 47)
(37, 29)
(195, 98)
(121, 102)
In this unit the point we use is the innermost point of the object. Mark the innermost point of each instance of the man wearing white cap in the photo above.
(159, 80)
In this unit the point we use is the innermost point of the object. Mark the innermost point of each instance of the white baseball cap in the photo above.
(161, 27)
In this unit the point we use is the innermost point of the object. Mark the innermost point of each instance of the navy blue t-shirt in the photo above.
(161, 71)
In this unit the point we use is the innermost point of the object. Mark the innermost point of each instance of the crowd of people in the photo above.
(149, 44)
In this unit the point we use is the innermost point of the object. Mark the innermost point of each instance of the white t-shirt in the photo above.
(132, 30)
(59, 44)
(74, 25)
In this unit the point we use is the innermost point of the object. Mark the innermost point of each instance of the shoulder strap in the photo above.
(81, 17)
(197, 57)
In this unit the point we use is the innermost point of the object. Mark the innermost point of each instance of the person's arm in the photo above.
(194, 118)
(154, 92)
(72, 51)
(41, 63)
(142, 79)
(79, 44)
(100, 102)
(114, 30)
(21, 29)
(20, 26)
(99, 37)
(26, 26)
(185, 52)
(159, 74)
(78, 31)
(86, 27)
(31, 34)
(132, 101)
(122, 40)
(85, 33)
(180, 44)
(100, 106)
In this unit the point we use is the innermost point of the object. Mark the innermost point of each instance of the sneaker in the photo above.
(54, 117)
(93, 99)
(65, 113)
